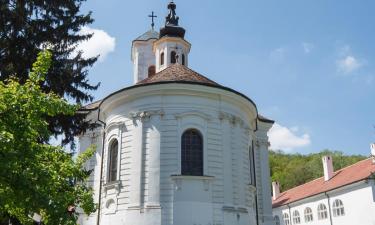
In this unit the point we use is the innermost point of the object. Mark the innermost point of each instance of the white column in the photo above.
(227, 153)
(154, 163)
(136, 164)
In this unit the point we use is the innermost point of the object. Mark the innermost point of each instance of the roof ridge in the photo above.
(323, 175)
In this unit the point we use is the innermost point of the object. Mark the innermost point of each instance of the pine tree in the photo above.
(27, 27)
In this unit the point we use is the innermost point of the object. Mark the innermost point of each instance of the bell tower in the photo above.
(171, 47)
(142, 55)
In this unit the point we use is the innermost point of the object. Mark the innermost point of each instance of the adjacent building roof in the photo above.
(178, 72)
(348, 175)
(151, 34)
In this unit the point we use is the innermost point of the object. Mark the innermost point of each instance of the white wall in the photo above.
(148, 122)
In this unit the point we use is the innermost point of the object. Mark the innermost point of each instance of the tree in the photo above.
(37, 178)
(26, 26)
(295, 169)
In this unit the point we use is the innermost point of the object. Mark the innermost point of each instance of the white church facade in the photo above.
(343, 197)
(177, 148)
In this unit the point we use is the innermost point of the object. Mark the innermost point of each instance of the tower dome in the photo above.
(171, 28)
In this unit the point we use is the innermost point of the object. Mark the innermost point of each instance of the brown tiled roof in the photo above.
(92, 105)
(348, 175)
(178, 73)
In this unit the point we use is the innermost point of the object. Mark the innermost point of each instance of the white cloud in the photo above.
(348, 64)
(287, 139)
(307, 47)
(101, 43)
(278, 54)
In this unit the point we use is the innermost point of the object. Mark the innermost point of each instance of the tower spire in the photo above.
(171, 28)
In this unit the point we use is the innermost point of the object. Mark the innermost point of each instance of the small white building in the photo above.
(177, 148)
(344, 197)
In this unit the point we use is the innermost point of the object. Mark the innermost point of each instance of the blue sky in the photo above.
(309, 65)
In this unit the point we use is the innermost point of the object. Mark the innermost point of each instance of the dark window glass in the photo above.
(151, 71)
(162, 58)
(113, 155)
(192, 153)
(173, 57)
(183, 59)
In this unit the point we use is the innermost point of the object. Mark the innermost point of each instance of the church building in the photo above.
(177, 148)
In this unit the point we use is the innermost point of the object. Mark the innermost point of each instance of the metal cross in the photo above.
(152, 16)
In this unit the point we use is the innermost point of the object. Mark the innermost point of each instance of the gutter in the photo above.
(290, 214)
(101, 169)
(255, 182)
(329, 207)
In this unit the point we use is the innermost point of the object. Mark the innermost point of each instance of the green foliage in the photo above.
(29, 26)
(295, 169)
(37, 178)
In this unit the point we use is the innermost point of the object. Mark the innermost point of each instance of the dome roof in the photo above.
(178, 73)
(151, 34)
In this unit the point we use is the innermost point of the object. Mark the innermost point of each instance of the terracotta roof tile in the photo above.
(178, 72)
(348, 175)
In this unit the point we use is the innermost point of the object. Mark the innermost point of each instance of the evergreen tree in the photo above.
(26, 27)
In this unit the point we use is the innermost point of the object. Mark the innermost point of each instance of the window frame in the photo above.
(286, 218)
(308, 214)
(338, 208)
(183, 59)
(185, 171)
(173, 59)
(296, 217)
(110, 176)
(322, 212)
(162, 58)
(276, 218)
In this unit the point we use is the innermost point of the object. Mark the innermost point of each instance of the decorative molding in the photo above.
(193, 113)
(115, 124)
(233, 119)
(145, 115)
(113, 185)
(262, 142)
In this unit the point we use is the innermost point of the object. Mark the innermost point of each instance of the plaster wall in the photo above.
(150, 188)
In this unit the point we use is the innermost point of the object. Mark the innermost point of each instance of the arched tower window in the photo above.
(308, 215)
(192, 153)
(113, 156)
(151, 71)
(173, 57)
(183, 59)
(322, 212)
(162, 58)
(338, 208)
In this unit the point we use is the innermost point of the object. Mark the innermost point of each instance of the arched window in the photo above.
(183, 59)
(322, 212)
(173, 57)
(192, 153)
(277, 220)
(286, 219)
(296, 217)
(151, 71)
(338, 208)
(308, 215)
(113, 156)
(162, 58)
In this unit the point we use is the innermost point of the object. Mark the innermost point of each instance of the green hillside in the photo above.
(295, 169)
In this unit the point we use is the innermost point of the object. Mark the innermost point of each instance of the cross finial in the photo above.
(152, 16)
